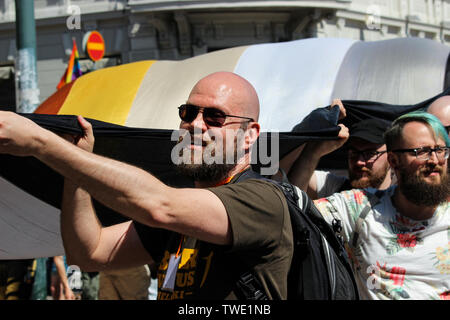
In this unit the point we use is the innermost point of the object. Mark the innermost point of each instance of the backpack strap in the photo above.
(250, 287)
(284, 177)
(374, 199)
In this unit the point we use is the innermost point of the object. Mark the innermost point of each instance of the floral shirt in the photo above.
(394, 257)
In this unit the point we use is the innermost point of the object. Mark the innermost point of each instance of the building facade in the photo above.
(171, 30)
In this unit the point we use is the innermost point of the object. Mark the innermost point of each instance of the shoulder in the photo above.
(350, 201)
(356, 196)
(444, 210)
(253, 192)
(257, 211)
(328, 183)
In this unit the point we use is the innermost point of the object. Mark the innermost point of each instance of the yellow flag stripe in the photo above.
(106, 94)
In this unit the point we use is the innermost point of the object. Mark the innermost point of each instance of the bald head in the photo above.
(441, 109)
(228, 90)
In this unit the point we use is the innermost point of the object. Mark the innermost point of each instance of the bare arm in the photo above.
(87, 243)
(91, 246)
(141, 197)
(301, 173)
(127, 189)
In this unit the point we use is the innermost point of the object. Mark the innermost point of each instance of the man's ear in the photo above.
(393, 160)
(252, 134)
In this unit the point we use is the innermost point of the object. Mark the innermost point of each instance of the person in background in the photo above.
(366, 158)
(16, 279)
(399, 238)
(124, 284)
(441, 109)
(59, 285)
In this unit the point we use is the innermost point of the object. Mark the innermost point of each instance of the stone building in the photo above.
(166, 29)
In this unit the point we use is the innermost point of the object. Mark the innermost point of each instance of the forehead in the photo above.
(417, 134)
(213, 95)
(360, 144)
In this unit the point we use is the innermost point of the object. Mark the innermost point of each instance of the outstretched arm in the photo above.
(301, 173)
(125, 188)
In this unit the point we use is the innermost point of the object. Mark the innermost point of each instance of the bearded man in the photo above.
(202, 239)
(398, 238)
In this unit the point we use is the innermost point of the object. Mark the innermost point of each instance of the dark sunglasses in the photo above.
(212, 116)
(448, 129)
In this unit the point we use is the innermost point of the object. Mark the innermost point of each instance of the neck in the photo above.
(387, 181)
(408, 209)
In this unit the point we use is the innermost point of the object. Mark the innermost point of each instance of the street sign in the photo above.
(94, 45)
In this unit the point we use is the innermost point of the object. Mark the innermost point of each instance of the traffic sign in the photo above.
(94, 45)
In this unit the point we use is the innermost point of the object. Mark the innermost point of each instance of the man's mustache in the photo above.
(432, 168)
(362, 170)
(196, 139)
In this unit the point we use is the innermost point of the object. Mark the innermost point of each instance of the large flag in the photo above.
(291, 79)
(137, 103)
(31, 192)
(73, 70)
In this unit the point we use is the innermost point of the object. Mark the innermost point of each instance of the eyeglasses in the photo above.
(368, 155)
(212, 116)
(424, 153)
(448, 129)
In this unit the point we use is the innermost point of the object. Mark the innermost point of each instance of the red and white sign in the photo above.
(94, 45)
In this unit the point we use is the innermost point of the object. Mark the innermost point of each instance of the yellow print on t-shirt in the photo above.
(185, 277)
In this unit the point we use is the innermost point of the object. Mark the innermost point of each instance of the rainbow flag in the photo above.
(73, 70)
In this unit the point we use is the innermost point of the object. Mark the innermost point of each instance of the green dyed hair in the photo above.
(392, 135)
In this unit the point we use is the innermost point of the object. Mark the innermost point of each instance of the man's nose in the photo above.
(361, 161)
(198, 122)
(433, 158)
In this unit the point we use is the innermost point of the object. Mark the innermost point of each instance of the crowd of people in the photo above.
(200, 240)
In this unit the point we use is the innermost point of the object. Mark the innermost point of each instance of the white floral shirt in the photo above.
(394, 257)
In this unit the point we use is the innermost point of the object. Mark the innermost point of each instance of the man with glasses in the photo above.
(367, 160)
(203, 238)
(441, 109)
(399, 238)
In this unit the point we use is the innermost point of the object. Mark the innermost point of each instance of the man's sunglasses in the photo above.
(212, 116)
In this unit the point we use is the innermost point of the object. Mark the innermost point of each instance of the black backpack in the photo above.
(320, 268)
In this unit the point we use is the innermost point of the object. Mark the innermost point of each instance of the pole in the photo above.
(26, 70)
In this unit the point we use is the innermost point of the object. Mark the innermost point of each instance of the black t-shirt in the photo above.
(262, 241)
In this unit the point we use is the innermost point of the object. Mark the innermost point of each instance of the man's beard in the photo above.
(371, 180)
(422, 193)
(208, 172)
(205, 172)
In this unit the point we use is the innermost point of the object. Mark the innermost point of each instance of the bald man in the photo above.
(202, 239)
(441, 109)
